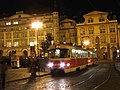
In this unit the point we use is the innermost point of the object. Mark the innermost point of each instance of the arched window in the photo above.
(103, 39)
(101, 19)
(91, 30)
(82, 31)
(90, 20)
(102, 29)
(112, 28)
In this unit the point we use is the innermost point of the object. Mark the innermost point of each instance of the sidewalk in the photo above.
(21, 74)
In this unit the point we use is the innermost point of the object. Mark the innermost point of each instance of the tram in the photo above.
(92, 58)
(67, 58)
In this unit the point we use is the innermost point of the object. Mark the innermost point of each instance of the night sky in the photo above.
(70, 8)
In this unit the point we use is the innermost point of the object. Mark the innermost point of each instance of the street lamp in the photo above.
(37, 25)
(86, 43)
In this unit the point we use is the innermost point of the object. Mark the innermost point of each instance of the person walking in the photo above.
(33, 65)
(3, 69)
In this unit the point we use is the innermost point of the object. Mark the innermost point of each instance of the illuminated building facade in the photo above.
(16, 32)
(100, 32)
(68, 32)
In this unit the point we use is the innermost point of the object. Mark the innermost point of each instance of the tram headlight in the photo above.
(89, 60)
(68, 64)
(62, 64)
(50, 64)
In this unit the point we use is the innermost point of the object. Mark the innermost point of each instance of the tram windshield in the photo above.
(59, 53)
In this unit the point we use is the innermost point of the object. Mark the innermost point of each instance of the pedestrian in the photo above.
(33, 66)
(3, 69)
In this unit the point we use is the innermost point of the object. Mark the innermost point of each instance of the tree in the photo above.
(46, 44)
(49, 38)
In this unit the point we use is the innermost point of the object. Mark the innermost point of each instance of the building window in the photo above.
(8, 35)
(16, 22)
(112, 39)
(16, 34)
(49, 25)
(91, 30)
(23, 34)
(72, 34)
(23, 42)
(1, 43)
(31, 33)
(1, 35)
(9, 44)
(8, 23)
(112, 28)
(90, 20)
(16, 43)
(103, 39)
(82, 31)
(101, 19)
(102, 29)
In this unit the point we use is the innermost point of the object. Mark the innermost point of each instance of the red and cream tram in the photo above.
(92, 58)
(66, 58)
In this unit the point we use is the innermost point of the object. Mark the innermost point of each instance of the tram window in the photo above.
(63, 53)
(59, 53)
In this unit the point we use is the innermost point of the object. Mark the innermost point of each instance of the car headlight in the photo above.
(68, 64)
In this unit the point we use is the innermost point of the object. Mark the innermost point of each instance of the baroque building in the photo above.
(68, 32)
(99, 33)
(16, 32)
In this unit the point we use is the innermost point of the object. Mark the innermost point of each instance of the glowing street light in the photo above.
(37, 25)
(86, 43)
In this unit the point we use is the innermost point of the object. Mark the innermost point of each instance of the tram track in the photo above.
(91, 77)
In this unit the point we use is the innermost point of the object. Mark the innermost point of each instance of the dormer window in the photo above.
(90, 20)
(101, 19)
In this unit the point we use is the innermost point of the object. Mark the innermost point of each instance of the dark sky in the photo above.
(65, 7)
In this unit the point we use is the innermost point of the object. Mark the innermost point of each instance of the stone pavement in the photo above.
(116, 62)
(21, 74)
(117, 65)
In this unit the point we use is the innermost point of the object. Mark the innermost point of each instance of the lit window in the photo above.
(57, 52)
(8, 23)
(9, 44)
(82, 31)
(15, 22)
(16, 43)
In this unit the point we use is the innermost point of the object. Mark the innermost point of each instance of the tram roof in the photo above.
(65, 46)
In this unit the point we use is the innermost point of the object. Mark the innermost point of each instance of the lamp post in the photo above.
(37, 25)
